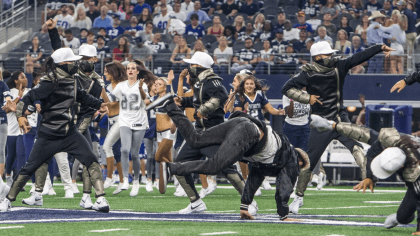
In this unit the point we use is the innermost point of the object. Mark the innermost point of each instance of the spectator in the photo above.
(289, 32)
(156, 43)
(279, 43)
(217, 28)
(147, 34)
(314, 22)
(81, 20)
(202, 15)
(410, 33)
(187, 6)
(239, 24)
(52, 11)
(103, 33)
(327, 23)
(363, 38)
(90, 40)
(42, 34)
(175, 42)
(71, 42)
(230, 34)
(140, 5)
(281, 19)
(160, 4)
(342, 42)
(61, 33)
(34, 55)
(322, 35)
(208, 6)
(302, 23)
(70, 10)
(84, 5)
(306, 52)
(103, 21)
(397, 31)
(64, 20)
(180, 52)
(250, 8)
(344, 24)
(259, 22)
(199, 47)
(144, 17)
(161, 20)
(92, 13)
(353, 49)
(113, 11)
(116, 30)
(311, 8)
(222, 56)
(83, 35)
(140, 52)
(126, 8)
(267, 33)
(245, 58)
(286, 63)
(387, 8)
(134, 27)
(102, 3)
(177, 13)
(354, 8)
(121, 52)
(372, 6)
(375, 36)
(298, 45)
(332, 8)
(265, 59)
(229, 9)
(365, 24)
(248, 33)
(195, 28)
(103, 51)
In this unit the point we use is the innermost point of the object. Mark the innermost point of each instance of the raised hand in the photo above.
(184, 73)
(400, 85)
(170, 77)
(51, 24)
(141, 82)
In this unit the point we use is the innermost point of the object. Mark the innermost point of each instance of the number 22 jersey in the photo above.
(255, 106)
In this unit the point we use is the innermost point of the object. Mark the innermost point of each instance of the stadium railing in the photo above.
(14, 20)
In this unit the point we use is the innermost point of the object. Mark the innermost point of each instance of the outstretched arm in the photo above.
(408, 80)
(53, 32)
(360, 57)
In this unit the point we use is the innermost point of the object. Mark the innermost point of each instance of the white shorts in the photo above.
(399, 49)
(165, 135)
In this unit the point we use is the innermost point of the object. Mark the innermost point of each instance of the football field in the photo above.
(331, 211)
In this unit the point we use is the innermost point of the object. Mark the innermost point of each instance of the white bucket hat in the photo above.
(386, 163)
(64, 54)
(202, 59)
(375, 15)
(322, 48)
(88, 51)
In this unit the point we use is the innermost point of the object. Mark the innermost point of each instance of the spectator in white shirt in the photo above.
(83, 5)
(160, 4)
(177, 13)
(266, 58)
(64, 20)
(71, 42)
(161, 20)
(81, 20)
(290, 33)
(222, 56)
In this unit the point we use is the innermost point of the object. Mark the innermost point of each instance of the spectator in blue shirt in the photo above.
(202, 15)
(116, 29)
(140, 5)
(103, 21)
(375, 36)
(246, 58)
(410, 33)
(312, 8)
(300, 44)
(250, 8)
(355, 48)
(372, 6)
(133, 27)
(302, 23)
(286, 63)
(195, 28)
(208, 6)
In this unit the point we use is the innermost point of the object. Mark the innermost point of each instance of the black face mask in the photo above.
(87, 66)
(195, 71)
(71, 69)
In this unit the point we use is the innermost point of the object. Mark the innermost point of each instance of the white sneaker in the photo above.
(253, 208)
(294, 207)
(5, 205)
(116, 178)
(74, 188)
(180, 192)
(320, 181)
(156, 185)
(52, 192)
(258, 192)
(47, 188)
(212, 185)
(391, 221)
(108, 182)
(314, 180)
(149, 186)
(293, 195)
(86, 202)
(135, 188)
(34, 200)
(143, 179)
(9, 180)
(118, 190)
(4, 192)
(126, 184)
(32, 189)
(101, 205)
(195, 207)
(203, 192)
(69, 194)
(266, 184)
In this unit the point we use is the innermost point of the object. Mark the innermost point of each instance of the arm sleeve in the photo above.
(6, 90)
(55, 38)
(87, 99)
(215, 89)
(412, 78)
(264, 100)
(187, 102)
(298, 81)
(359, 58)
(41, 91)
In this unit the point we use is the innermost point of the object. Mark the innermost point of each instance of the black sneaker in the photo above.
(161, 102)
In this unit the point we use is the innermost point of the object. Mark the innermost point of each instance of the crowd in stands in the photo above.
(238, 33)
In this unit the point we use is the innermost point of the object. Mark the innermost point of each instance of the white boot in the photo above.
(34, 200)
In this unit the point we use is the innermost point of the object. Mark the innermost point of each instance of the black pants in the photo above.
(285, 180)
(408, 207)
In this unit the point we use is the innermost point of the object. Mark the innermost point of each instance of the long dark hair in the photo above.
(11, 83)
(117, 71)
(144, 73)
(240, 90)
(49, 71)
(125, 46)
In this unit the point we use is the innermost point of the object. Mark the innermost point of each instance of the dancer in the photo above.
(5, 97)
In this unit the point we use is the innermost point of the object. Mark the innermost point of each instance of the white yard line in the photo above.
(383, 202)
(220, 233)
(105, 230)
(13, 227)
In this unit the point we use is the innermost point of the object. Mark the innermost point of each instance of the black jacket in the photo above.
(206, 88)
(412, 78)
(329, 85)
(58, 105)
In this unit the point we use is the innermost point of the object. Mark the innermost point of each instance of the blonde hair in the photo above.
(243, 21)
(403, 22)
(345, 34)
(396, 12)
(1, 73)
(260, 14)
